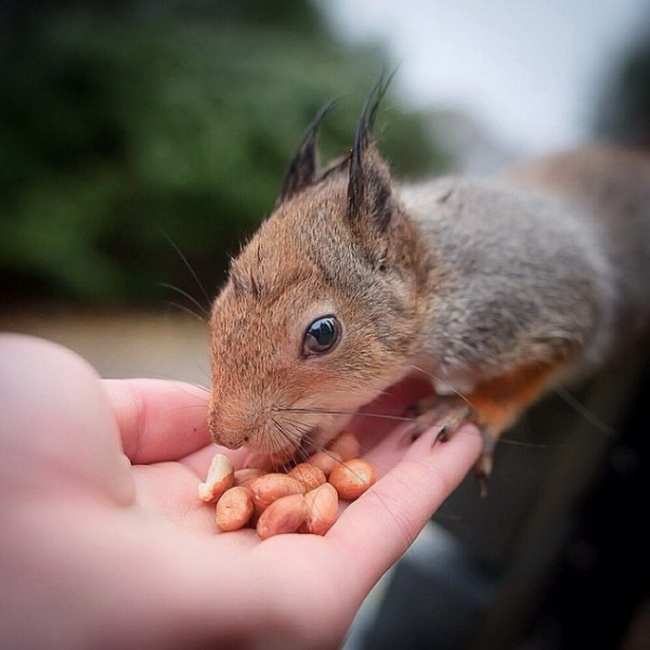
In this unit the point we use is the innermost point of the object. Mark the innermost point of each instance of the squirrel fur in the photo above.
(498, 289)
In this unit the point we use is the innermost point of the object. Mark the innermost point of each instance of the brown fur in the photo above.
(498, 403)
(287, 276)
(495, 289)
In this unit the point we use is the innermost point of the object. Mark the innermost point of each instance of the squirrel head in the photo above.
(319, 312)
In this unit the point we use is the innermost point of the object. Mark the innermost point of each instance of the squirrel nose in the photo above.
(231, 440)
(230, 437)
(223, 433)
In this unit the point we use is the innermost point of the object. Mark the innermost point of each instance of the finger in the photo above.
(56, 419)
(376, 530)
(390, 449)
(159, 420)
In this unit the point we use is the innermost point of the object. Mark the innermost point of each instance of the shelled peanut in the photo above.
(221, 477)
(352, 478)
(304, 500)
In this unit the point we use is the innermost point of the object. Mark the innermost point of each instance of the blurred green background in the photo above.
(127, 123)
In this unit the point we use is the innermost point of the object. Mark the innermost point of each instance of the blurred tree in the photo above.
(127, 119)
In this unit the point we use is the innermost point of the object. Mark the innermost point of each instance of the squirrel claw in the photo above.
(485, 463)
(443, 434)
(448, 413)
(416, 431)
(483, 486)
(482, 471)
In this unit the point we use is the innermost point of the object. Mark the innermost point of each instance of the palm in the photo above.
(169, 488)
(306, 568)
(135, 532)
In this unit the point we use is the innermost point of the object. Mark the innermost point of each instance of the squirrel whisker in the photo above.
(317, 447)
(185, 309)
(531, 445)
(276, 444)
(384, 416)
(185, 294)
(440, 379)
(189, 267)
(581, 409)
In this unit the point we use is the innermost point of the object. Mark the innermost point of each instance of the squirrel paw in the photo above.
(422, 405)
(448, 413)
(483, 467)
(451, 413)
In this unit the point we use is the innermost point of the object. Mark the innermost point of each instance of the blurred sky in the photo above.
(528, 71)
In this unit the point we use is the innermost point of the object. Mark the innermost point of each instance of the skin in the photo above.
(105, 543)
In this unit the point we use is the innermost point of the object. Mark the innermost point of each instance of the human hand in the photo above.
(107, 544)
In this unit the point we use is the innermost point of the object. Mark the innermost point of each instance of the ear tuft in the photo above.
(302, 169)
(369, 185)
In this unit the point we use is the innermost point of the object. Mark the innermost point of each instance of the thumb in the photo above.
(377, 529)
(56, 422)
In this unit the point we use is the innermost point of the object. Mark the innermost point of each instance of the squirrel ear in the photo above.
(302, 169)
(369, 185)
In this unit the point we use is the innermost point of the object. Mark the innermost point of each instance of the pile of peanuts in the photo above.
(304, 500)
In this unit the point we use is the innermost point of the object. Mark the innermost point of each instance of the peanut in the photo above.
(346, 445)
(309, 475)
(300, 501)
(353, 478)
(322, 509)
(271, 487)
(246, 476)
(220, 477)
(285, 515)
(325, 461)
(235, 508)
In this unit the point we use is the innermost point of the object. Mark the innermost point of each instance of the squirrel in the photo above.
(497, 289)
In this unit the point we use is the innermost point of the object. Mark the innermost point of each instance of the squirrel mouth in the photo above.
(307, 444)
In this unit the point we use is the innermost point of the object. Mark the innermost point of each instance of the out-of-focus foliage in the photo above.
(125, 120)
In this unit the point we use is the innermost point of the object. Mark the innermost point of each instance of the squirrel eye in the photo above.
(321, 336)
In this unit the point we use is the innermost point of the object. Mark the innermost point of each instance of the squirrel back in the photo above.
(535, 262)
(612, 185)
